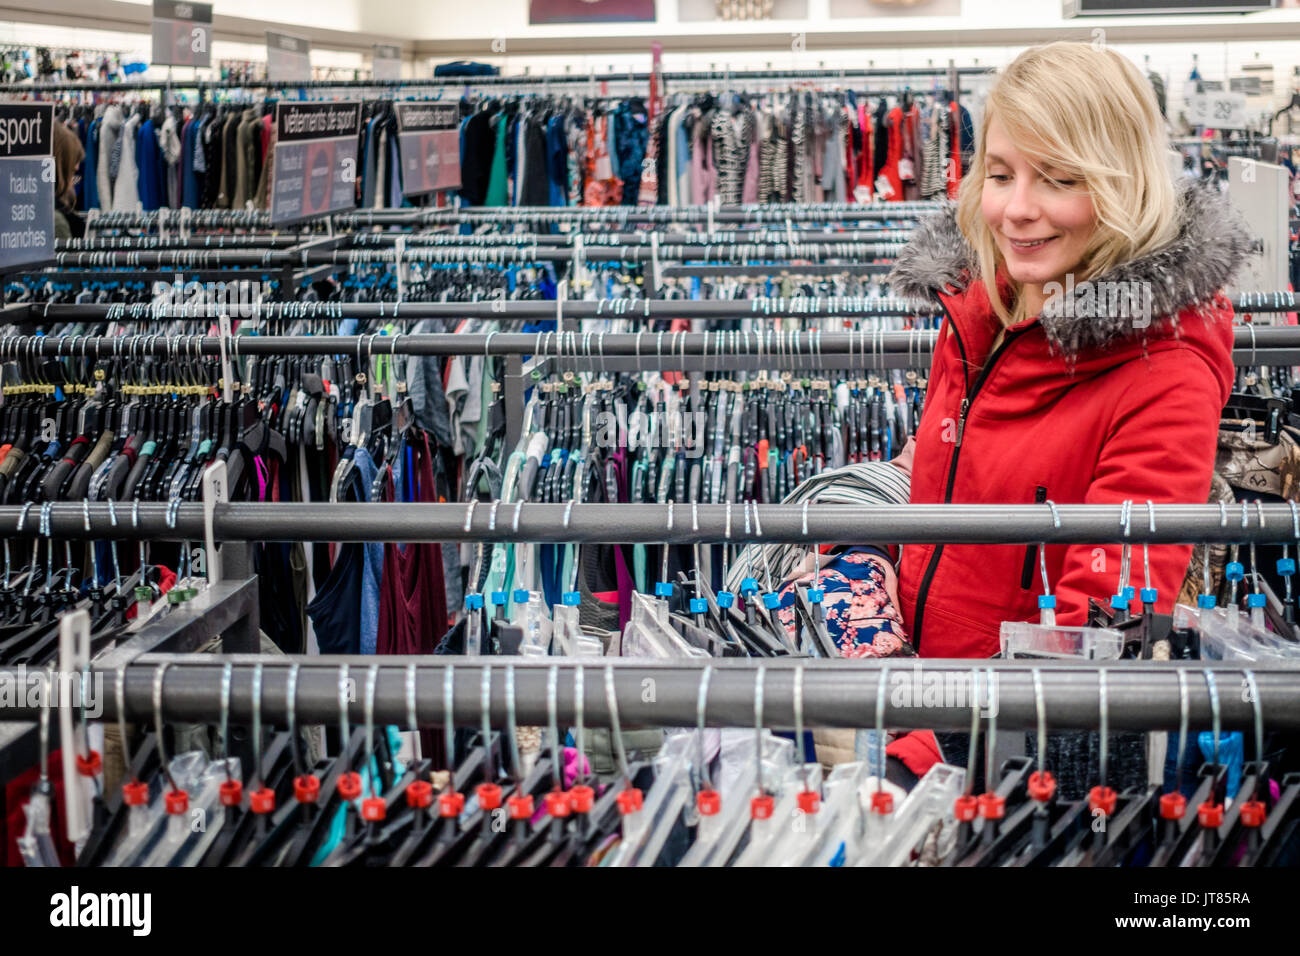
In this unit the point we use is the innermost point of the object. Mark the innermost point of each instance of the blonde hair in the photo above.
(1091, 113)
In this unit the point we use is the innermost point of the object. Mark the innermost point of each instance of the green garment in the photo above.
(496, 191)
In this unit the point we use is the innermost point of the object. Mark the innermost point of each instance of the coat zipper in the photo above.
(1027, 572)
(923, 592)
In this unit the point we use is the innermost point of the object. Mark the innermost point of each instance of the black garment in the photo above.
(229, 159)
(880, 146)
(76, 224)
(212, 155)
(1075, 760)
(537, 184)
(279, 611)
(476, 169)
(453, 642)
(336, 610)
(1073, 757)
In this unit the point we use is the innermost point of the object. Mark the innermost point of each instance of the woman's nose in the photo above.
(1023, 203)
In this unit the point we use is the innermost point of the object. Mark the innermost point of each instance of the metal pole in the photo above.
(835, 693)
(1269, 345)
(648, 523)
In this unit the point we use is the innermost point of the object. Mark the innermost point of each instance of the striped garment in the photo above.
(731, 172)
(934, 150)
(800, 136)
(866, 483)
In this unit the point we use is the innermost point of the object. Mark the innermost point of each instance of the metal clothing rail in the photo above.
(774, 213)
(498, 309)
(830, 693)
(681, 523)
(768, 236)
(229, 609)
(361, 240)
(709, 250)
(1266, 344)
(215, 241)
(807, 307)
(526, 79)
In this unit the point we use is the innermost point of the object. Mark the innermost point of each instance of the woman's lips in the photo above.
(1029, 246)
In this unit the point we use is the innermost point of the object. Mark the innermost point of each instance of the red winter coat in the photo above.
(1072, 408)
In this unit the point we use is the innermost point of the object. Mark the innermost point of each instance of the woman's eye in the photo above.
(999, 177)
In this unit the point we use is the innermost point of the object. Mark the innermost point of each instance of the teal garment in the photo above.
(497, 194)
(338, 826)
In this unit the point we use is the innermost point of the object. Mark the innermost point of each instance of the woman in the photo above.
(1085, 352)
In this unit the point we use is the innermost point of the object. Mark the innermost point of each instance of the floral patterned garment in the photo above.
(861, 617)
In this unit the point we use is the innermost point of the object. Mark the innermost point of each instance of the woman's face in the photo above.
(1042, 221)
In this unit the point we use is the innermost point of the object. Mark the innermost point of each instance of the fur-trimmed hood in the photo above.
(1212, 243)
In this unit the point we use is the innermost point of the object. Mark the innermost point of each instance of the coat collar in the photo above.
(1212, 243)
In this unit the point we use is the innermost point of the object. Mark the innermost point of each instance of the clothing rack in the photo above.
(272, 259)
(485, 240)
(727, 270)
(227, 608)
(459, 82)
(1248, 335)
(776, 213)
(1262, 523)
(215, 241)
(831, 693)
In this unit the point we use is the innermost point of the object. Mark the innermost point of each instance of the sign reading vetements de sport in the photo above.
(288, 58)
(182, 33)
(314, 171)
(27, 173)
(428, 136)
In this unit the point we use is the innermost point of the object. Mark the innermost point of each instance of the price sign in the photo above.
(428, 138)
(288, 58)
(182, 33)
(1218, 110)
(27, 171)
(314, 170)
(386, 62)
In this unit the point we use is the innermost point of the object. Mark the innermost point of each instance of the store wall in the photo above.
(498, 31)
(448, 20)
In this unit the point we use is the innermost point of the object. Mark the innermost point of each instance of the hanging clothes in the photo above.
(109, 155)
(412, 599)
(126, 185)
(603, 187)
(169, 142)
(892, 185)
(498, 193)
(865, 190)
(954, 142)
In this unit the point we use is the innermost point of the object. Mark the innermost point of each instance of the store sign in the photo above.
(1085, 8)
(27, 171)
(314, 171)
(288, 58)
(428, 137)
(1217, 110)
(182, 33)
(386, 62)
